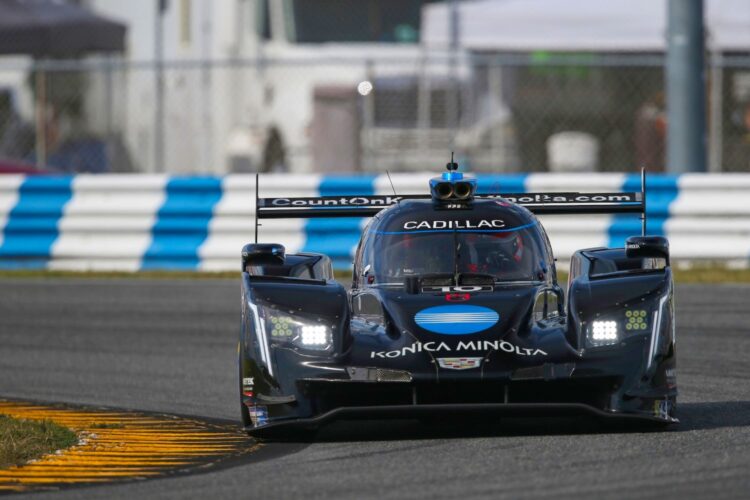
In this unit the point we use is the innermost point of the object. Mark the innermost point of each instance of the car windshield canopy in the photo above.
(515, 254)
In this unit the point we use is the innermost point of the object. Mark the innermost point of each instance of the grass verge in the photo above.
(712, 275)
(24, 440)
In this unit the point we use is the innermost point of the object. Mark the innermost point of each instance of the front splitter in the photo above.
(509, 410)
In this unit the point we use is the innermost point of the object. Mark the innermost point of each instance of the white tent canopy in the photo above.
(579, 25)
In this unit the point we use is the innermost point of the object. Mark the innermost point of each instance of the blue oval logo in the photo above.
(456, 320)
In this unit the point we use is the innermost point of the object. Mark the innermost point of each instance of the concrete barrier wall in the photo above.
(144, 222)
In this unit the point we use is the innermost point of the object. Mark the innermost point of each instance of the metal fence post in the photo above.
(40, 146)
(686, 96)
(452, 111)
(716, 105)
(161, 7)
(495, 95)
(367, 156)
(424, 104)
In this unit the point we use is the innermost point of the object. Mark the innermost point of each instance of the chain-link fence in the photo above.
(500, 113)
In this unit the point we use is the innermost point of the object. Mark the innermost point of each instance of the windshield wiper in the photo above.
(437, 279)
(518, 282)
(475, 279)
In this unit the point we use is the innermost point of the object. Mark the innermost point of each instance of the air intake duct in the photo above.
(463, 190)
(443, 191)
(452, 187)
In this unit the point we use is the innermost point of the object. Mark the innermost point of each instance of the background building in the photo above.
(332, 85)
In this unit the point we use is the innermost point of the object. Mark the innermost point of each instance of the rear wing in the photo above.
(368, 206)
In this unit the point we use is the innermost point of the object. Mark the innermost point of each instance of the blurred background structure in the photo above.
(220, 86)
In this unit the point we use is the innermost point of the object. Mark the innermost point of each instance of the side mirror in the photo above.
(262, 254)
(650, 247)
(367, 305)
(548, 303)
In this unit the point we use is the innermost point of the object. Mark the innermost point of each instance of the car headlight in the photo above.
(305, 333)
(614, 328)
(603, 333)
(635, 320)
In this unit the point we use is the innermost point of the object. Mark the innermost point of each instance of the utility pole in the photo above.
(686, 87)
(161, 8)
(454, 24)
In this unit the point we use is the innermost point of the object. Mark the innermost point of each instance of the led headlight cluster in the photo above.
(635, 319)
(295, 331)
(617, 326)
(318, 335)
(603, 333)
(282, 327)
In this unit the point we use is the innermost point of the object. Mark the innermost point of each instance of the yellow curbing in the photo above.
(116, 446)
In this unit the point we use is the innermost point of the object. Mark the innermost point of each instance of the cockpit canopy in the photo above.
(414, 238)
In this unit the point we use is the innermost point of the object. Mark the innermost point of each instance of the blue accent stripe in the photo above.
(336, 238)
(495, 183)
(32, 226)
(416, 231)
(182, 223)
(456, 320)
(661, 191)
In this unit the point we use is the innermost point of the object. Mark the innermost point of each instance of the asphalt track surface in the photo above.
(169, 346)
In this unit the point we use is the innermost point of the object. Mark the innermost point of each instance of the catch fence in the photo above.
(508, 113)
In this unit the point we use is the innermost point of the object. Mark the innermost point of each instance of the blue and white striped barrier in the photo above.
(140, 222)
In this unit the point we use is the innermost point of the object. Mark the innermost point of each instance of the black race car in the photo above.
(455, 308)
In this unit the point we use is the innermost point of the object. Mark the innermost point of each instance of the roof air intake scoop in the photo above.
(452, 186)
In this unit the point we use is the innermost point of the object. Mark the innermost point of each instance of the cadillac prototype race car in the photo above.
(455, 308)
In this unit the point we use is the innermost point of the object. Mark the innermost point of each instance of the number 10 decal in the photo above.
(460, 289)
